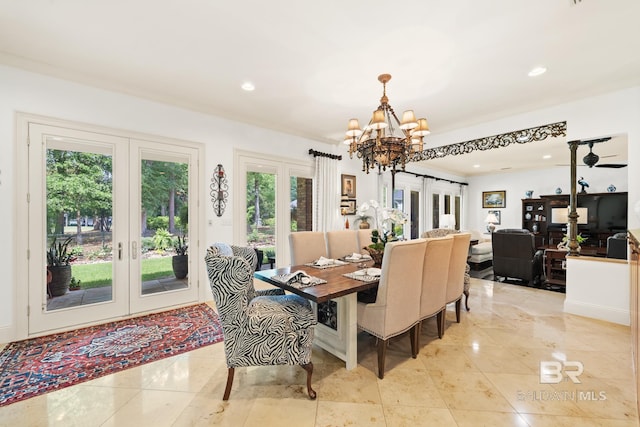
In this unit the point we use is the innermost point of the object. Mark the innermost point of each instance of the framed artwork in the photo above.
(349, 186)
(351, 209)
(497, 214)
(494, 199)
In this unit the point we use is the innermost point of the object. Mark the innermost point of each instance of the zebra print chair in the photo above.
(250, 255)
(259, 331)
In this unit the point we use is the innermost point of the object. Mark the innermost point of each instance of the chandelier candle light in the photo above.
(378, 145)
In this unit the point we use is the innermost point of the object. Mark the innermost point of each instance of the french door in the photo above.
(277, 200)
(94, 191)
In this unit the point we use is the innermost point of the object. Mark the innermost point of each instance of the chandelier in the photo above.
(378, 145)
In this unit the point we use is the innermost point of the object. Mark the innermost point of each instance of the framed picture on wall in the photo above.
(349, 186)
(351, 209)
(494, 199)
(497, 214)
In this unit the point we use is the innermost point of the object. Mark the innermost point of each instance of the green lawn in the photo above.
(99, 274)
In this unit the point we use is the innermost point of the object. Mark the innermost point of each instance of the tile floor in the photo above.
(484, 372)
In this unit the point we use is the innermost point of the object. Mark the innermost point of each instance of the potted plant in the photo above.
(564, 244)
(59, 259)
(180, 261)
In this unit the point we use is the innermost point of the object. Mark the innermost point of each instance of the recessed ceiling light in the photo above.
(248, 86)
(546, 156)
(476, 166)
(537, 71)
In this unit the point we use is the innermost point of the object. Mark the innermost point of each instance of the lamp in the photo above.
(378, 145)
(492, 220)
(447, 221)
(344, 205)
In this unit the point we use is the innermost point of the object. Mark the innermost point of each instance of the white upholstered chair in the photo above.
(341, 243)
(434, 280)
(441, 232)
(397, 306)
(457, 268)
(364, 238)
(307, 246)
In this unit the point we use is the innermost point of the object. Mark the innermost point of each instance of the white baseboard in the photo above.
(594, 311)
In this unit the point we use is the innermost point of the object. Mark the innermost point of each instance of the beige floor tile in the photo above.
(416, 416)
(151, 408)
(527, 395)
(293, 412)
(538, 420)
(485, 371)
(359, 385)
(410, 387)
(207, 409)
(465, 418)
(340, 414)
(469, 391)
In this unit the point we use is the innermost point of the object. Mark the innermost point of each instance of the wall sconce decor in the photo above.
(219, 190)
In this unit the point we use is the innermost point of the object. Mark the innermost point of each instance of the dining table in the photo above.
(337, 331)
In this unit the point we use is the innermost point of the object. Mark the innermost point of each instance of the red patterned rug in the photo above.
(35, 366)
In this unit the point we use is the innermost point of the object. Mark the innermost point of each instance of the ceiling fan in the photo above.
(591, 159)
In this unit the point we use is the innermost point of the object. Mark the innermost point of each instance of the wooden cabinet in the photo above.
(555, 266)
(534, 218)
(634, 277)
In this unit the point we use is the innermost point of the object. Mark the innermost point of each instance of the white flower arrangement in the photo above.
(385, 218)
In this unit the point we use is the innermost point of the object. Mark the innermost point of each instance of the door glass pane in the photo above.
(435, 211)
(457, 212)
(261, 214)
(164, 225)
(79, 198)
(301, 204)
(415, 214)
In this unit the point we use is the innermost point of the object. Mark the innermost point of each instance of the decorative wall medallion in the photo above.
(219, 190)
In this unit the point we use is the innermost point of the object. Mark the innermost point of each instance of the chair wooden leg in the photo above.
(414, 335)
(227, 389)
(466, 300)
(440, 321)
(382, 352)
(309, 368)
(458, 304)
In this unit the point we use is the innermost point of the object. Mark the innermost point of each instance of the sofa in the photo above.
(480, 255)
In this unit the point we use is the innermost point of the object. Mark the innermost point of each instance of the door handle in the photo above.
(119, 251)
(134, 249)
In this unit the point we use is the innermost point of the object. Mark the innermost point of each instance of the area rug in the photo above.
(35, 366)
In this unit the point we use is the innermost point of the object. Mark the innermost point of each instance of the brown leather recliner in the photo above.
(515, 256)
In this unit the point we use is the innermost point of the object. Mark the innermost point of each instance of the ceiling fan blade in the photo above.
(611, 165)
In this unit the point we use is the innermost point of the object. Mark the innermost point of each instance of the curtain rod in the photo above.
(315, 153)
(434, 177)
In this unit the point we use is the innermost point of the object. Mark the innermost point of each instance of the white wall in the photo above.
(608, 114)
(37, 94)
(541, 182)
(23, 91)
(598, 288)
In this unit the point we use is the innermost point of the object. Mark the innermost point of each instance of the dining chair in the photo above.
(341, 243)
(259, 331)
(435, 273)
(457, 270)
(364, 238)
(250, 256)
(397, 305)
(307, 246)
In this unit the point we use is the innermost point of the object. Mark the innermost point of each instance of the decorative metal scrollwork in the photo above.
(523, 136)
(328, 314)
(219, 190)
